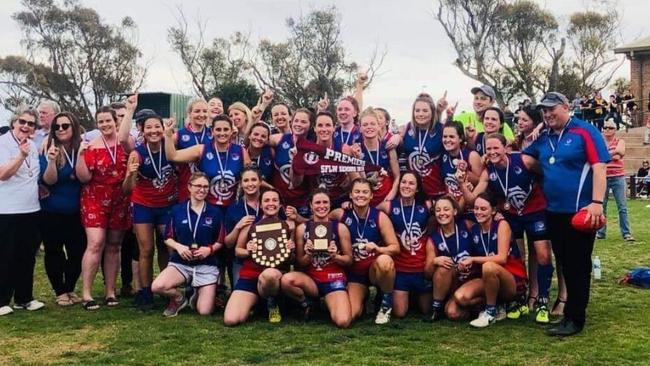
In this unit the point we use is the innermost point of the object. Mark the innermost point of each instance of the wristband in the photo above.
(597, 201)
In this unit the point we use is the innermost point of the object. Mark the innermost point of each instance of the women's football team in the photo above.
(443, 227)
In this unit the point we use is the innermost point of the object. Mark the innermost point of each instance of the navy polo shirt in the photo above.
(567, 175)
(207, 232)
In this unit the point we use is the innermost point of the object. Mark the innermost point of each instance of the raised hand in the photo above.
(323, 103)
(25, 147)
(132, 165)
(169, 126)
(132, 102)
(52, 153)
(442, 103)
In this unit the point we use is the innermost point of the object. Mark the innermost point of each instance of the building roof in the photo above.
(642, 44)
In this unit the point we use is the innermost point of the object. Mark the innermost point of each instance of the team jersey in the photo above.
(363, 230)
(264, 162)
(341, 137)
(524, 194)
(456, 246)
(185, 138)
(297, 196)
(410, 223)
(238, 209)
(479, 143)
(422, 149)
(322, 268)
(184, 228)
(157, 183)
(566, 159)
(224, 170)
(448, 165)
(381, 158)
(486, 245)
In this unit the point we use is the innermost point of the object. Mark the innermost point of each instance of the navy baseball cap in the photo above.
(143, 114)
(486, 89)
(551, 99)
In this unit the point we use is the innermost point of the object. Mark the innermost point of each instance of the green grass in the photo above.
(617, 333)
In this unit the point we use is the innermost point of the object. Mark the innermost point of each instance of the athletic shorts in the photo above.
(150, 215)
(412, 282)
(534, 225)
(199, 275)
(362, 278)
(247, 284)
(325, 288)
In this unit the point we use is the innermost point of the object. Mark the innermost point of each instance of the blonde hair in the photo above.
(239, 106)
(370, 111)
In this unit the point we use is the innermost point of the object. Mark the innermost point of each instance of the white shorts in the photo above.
(199, 275)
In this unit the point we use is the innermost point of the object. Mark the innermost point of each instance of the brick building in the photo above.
(638, 53)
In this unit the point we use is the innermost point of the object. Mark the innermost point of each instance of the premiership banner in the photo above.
(314, 159)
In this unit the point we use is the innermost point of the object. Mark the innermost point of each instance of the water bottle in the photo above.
(597, 269)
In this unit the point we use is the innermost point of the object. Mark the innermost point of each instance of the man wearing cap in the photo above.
(572, 156)
(484, 98)
(616, 180)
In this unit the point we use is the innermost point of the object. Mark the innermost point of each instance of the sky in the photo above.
(419, 55)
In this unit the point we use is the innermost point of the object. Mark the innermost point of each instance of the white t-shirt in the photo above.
(19, 194)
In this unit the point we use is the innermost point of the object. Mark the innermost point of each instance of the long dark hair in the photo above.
(75, 141)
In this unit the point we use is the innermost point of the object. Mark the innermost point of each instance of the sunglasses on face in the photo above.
(63, 126)
(609, 128)
(23, 122)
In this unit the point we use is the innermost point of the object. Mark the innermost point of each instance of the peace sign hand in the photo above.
(323, 103)
(442, 103)
(169, 126)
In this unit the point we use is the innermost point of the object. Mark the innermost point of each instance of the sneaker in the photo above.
(307, 313)
(174, 307)
(501, 313)
(31, 306)
(274, 314)
(517, 310)
(6, 310)
(436, 314)
(628, 237)
(600, 236)
(542, 314)
(484, 319)
(383, 315)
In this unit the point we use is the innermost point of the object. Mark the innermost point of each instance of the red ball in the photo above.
(578, 222)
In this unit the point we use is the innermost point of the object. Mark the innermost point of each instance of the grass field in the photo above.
(617, 332)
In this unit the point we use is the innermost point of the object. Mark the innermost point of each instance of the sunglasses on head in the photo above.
(23, 122)
(63, 126)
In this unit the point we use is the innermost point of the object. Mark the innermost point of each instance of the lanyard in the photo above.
(69, 158)
(27, 163)
(156, 169)
(553, 147)
(347, 139)
(421, 142)
(198, 219)
(451, 160)
(375, 162)
(112, 154)
(257, 209)
(221, 165)
(485, 249)
(202, 136)
(442, 235)
(361, 234)
(504, 188)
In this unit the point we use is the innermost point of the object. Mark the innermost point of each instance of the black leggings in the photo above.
(61, 231)
(572, 251)
(19, 241)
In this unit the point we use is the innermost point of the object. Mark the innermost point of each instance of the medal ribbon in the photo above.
(198, 219)
(158, 169)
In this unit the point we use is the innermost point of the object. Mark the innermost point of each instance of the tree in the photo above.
(620, 85)
(71, 57)
(213, 68)
(312, 62)
(520, 49)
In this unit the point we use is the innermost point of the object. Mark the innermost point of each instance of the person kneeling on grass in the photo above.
(192, 232)
(321, 272)
(503, 274)
(256, 281)
(374, 246)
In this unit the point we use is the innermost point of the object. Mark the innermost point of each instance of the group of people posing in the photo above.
(445, 222)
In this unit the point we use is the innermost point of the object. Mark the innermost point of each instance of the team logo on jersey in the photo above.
(348, 221)
(326, 180)
(209, 156)
(420, 161)
(475, 239)
(147, 161)
(208, 221)
(372, 223)
(221, 185)
(284, 173)
(384, 155)
(311, 158)
(286, 146)
(396, 210)
(420, 209)
(517, 197)
(464, 234)
(235, 157)
(452, 185)
(319, 260)
(412, 242)
(410, 132)
(568, 141)
(493, 176)
(458, 257)
(517, 170)
(540, 226)
(479, 147)
(185, 138)
(184, 221)
(445, 158)
(443, 247)
(165, 176)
